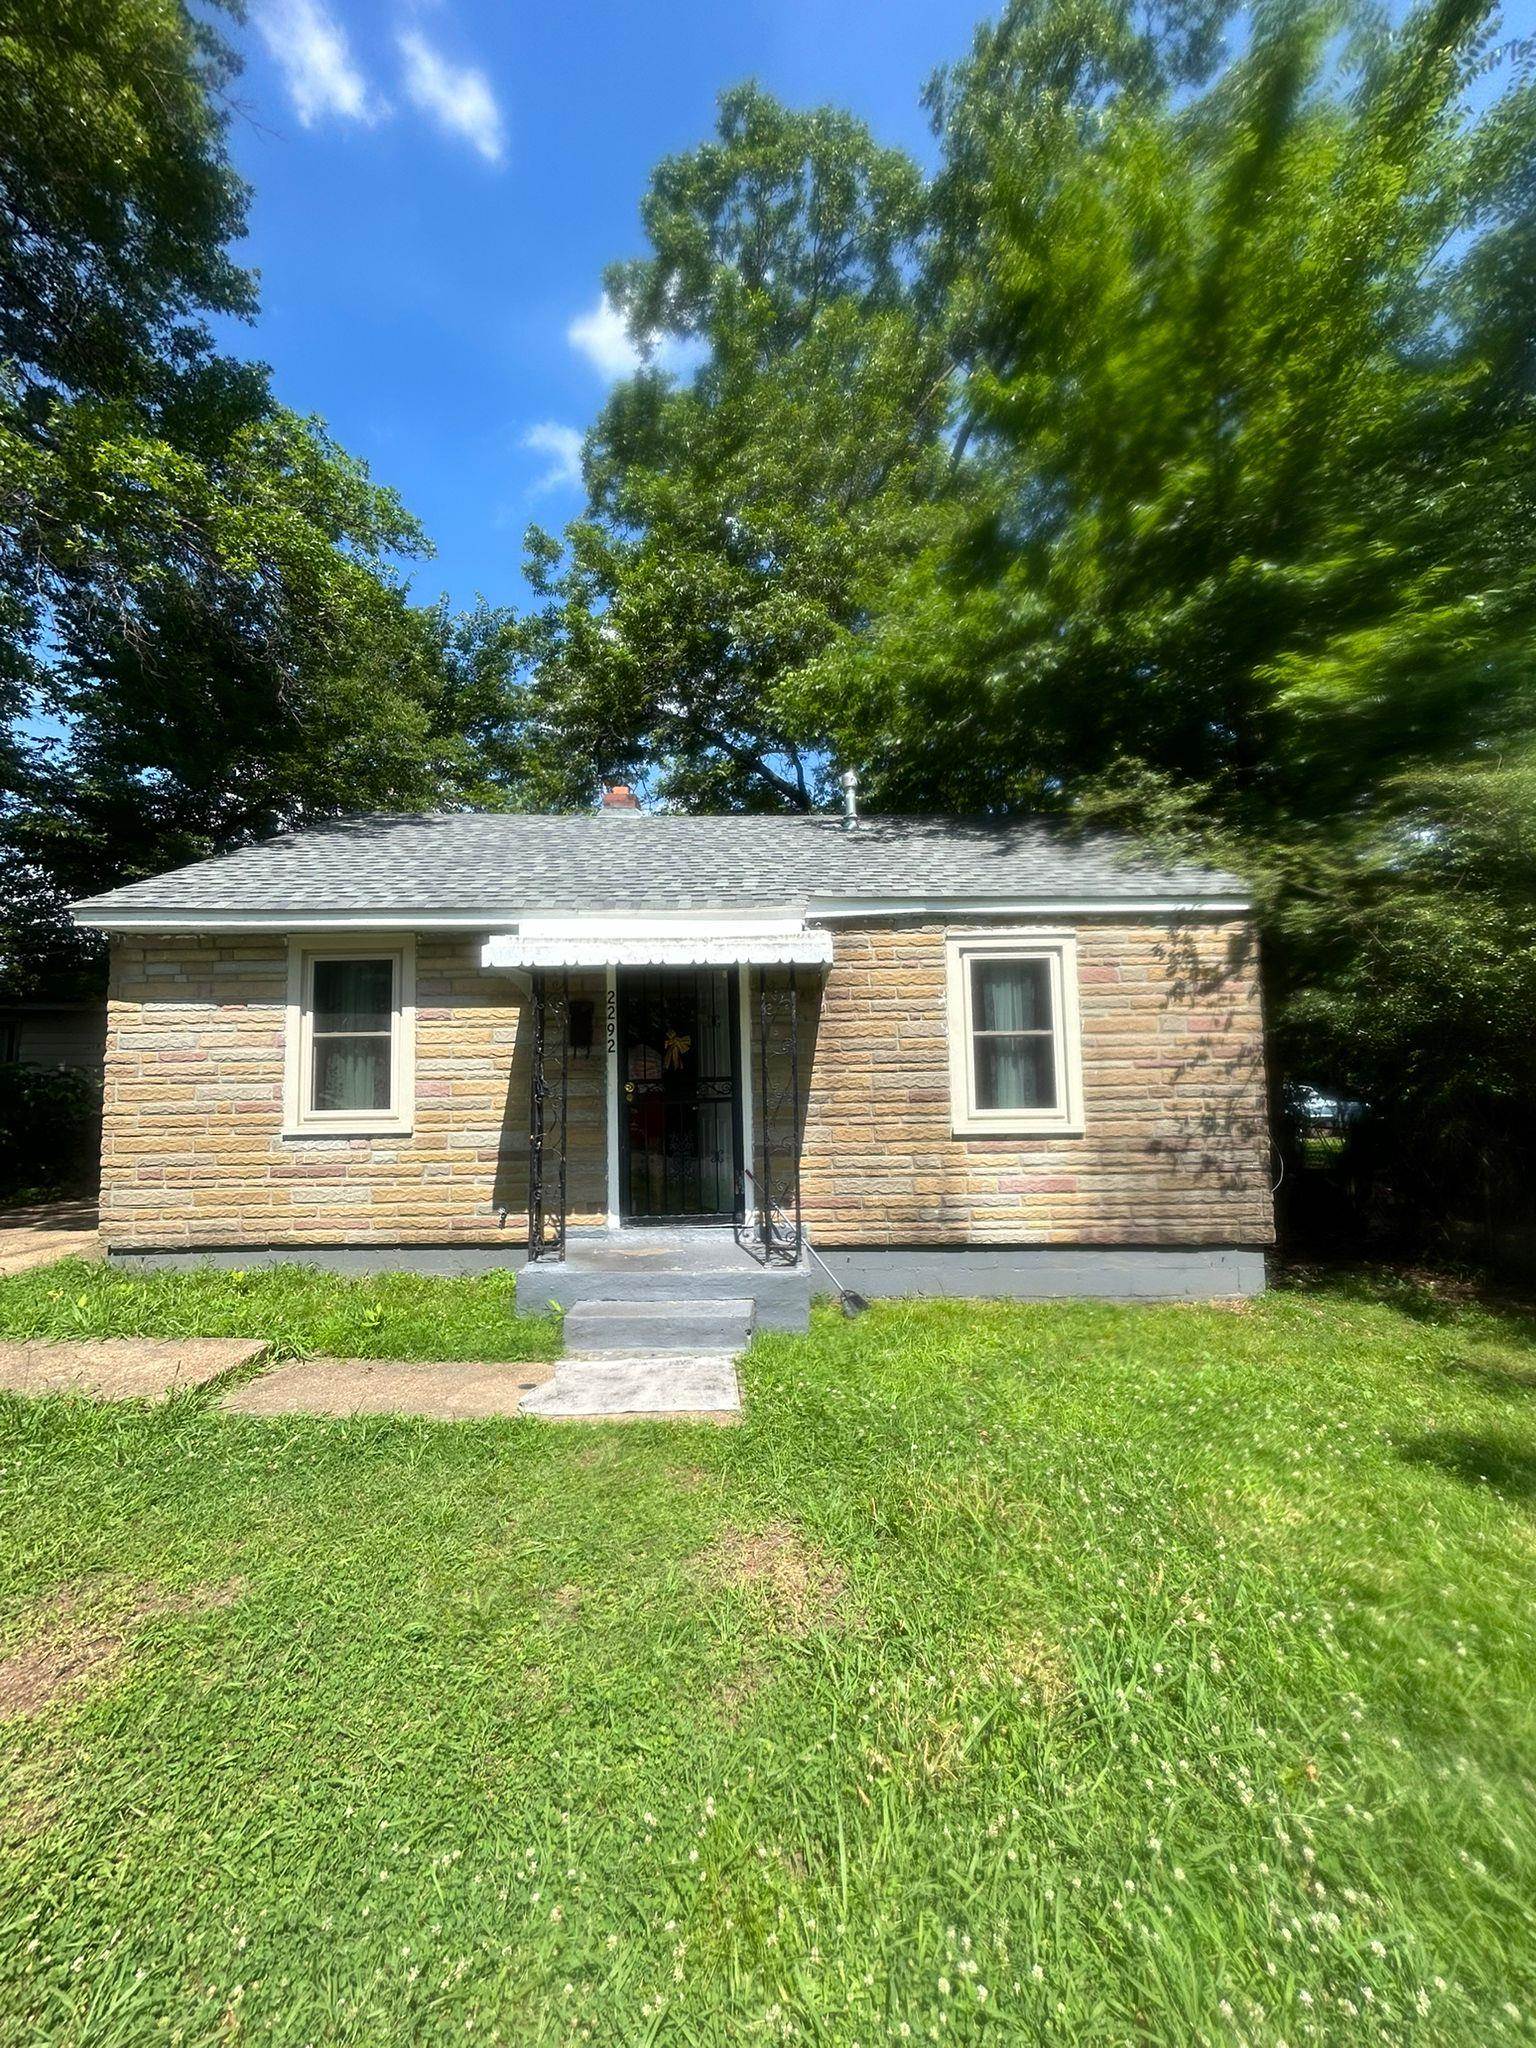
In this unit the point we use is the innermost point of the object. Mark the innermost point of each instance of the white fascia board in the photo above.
(853, 909)
(829, 909)
(644, 942)
(298, 922)
(598, 923)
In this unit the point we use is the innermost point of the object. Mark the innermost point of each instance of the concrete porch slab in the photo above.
(453, 1392)
(122, 1368)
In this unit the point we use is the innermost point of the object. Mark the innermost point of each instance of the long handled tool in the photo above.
(848, 1301)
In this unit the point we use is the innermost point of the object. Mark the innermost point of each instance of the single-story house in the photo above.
(65, 1033)
(952, 1055)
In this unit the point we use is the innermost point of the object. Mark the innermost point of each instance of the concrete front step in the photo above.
(665, 1267)
(596, 1328)
(639, 1383)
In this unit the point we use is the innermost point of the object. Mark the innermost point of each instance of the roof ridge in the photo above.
(461, 864)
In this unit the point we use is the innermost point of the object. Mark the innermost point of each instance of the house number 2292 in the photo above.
(611, 1021)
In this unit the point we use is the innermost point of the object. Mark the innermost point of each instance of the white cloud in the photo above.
(603, 339)
(311, 49)
(563, 447)
(456, 95)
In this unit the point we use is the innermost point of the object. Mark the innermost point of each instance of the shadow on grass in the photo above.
(1424, 1295)
(1508, 1382)
(1502, 1465)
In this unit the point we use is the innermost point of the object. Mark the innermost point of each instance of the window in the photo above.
(1015, 1058)
(351, 1014)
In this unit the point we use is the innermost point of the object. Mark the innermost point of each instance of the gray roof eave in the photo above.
(101, 914)
(470, 870)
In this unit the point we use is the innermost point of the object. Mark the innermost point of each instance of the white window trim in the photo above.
(1059, 950)
(299, 1120)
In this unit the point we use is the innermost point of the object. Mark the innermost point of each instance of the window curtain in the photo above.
(1011, 1023)
(352, 1026)
(352, 1073)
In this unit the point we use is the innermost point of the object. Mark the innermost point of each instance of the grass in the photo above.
(1062, 1674)
(299, 1309)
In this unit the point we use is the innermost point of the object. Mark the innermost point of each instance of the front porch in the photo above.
(704, 1042)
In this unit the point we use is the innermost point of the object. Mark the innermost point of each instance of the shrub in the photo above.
(50, 1131)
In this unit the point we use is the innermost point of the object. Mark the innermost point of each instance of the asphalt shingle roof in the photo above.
(495, 865)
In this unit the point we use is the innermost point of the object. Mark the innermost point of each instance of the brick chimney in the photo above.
(618, 796)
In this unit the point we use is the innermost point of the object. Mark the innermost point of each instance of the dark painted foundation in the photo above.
(448, 1261)
(1004, 1272)
(1048, 1273)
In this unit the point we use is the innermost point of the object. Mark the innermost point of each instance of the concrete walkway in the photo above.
(687, 1385)
(52, 1230)
(122, 1368)
(456, 1392)
(655, 1324)
(607, 1389)
(622, 1388)
(672, 1355)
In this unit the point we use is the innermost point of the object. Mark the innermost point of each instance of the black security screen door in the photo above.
(679, 1116)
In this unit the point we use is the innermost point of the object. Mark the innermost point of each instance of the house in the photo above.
(952, 1055)
(62, 1033)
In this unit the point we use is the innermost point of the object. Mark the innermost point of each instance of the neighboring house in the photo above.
(58, 1034)
(958, 1055)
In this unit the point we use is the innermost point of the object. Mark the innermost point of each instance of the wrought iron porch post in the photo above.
(536, 1122)
(794, 1101)
(546, 1226)
(765, 1192)
(565, 1098)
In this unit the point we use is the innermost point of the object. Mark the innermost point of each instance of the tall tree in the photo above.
(1250, 414)
(117, 206)
(733, 512)
(1249, 350)
(203, 631)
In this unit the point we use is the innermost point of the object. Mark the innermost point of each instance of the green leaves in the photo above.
(1166, 458)
(198, 587)
(735, 517)
(117, 202)
(1247, 482)
(756, 232)
(1247, 435)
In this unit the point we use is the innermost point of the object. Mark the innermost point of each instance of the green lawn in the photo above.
(1059, 1674)
(296, 1308)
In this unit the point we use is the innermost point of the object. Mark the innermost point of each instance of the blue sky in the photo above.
(437, 188)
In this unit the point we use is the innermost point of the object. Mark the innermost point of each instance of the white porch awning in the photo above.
(658, 942)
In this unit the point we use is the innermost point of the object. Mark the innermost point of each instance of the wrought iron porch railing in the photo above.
(774, 1222)
(548, 1103)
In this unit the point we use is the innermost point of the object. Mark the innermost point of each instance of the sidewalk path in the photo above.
(679, 1388)
(122, 1368)
(622, 1387)
(52, 1230)
(387, 1386)
(149, 1368)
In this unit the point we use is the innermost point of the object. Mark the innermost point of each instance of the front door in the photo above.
(679, 1107)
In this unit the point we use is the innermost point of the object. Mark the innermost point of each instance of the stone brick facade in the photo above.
(192, 1146)
(1175, 1148)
